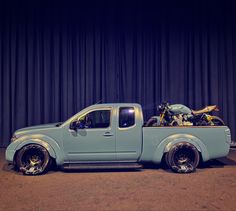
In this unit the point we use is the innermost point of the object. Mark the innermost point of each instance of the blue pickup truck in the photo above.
(114, 135)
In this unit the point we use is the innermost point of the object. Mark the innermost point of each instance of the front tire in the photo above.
(33, 159)
(183, 158)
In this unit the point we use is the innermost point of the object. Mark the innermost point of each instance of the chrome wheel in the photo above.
(33, 159)
(183, 158)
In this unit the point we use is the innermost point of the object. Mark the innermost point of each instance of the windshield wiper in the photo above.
(59, 124)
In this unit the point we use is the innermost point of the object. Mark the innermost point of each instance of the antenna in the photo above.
(98, 102)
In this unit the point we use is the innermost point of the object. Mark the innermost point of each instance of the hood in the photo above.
(36, 127)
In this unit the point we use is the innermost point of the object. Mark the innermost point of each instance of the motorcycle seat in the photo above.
(207, 109)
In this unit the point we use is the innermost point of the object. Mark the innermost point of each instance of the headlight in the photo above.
(13, 138)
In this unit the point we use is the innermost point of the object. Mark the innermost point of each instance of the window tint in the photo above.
(97, 119)
(126, 117)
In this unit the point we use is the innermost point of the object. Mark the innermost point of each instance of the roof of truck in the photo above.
(115, 104)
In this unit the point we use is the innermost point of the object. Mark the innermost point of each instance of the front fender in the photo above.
(47, 142)
(168, 142)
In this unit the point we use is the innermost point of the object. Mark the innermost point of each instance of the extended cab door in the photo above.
(129, 133)
(96, 141)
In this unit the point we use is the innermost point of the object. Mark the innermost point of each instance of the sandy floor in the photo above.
(212, 187)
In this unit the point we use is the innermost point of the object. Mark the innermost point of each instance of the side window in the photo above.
(126, 117)
(97, 119)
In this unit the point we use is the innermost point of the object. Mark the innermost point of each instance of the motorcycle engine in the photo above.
(181, 120)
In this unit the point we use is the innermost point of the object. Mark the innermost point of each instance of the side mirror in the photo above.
(73, 125)
(80, 124)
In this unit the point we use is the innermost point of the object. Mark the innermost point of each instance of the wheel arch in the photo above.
(48, 143)
(167, 143)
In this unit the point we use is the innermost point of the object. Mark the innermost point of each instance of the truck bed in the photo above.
(211, 141)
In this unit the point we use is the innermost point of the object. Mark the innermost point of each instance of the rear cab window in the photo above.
(126, 117)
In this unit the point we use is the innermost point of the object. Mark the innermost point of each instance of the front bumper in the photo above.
(9, 155)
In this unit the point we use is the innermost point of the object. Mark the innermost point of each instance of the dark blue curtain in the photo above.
(57, 57)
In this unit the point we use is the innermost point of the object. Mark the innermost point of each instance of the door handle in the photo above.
(108, 134)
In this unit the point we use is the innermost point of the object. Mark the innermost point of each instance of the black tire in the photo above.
(217, 121)
(151, 122)
(183, 158)
(33, 159)
(165, 162)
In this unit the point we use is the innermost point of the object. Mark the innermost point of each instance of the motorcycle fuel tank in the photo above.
(179, 109)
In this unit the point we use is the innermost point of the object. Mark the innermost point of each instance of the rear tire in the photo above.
(217, 121)
(183, 158)
(33, 159)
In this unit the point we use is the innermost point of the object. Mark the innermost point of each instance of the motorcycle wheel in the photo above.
(152, 122)
(217, 121)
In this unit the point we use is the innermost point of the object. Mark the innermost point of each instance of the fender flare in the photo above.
(48, 143)
(169, 141)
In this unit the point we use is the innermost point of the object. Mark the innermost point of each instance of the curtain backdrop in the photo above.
(59, 57)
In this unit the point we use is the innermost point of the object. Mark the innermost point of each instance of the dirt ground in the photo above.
(211, 187)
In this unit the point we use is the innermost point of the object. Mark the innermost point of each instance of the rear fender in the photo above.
(168, 142)
(48, 143)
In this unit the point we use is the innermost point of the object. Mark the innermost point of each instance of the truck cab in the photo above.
(104, 132)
